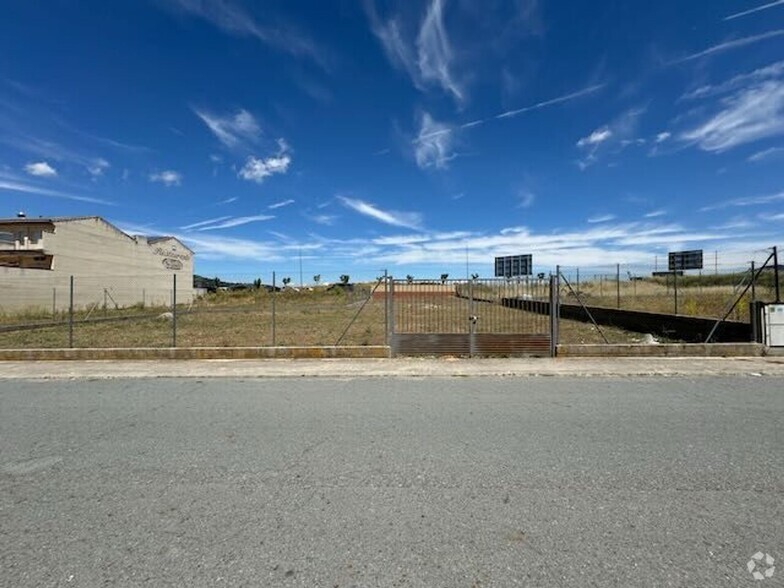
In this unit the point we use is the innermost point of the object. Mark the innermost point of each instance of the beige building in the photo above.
(38, 256)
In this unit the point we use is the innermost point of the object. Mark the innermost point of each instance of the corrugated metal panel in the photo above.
(430, 344)
(457, 344)
(519, 344)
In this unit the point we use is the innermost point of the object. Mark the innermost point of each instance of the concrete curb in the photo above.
(341, 369)
(156, 353)
(663, 350)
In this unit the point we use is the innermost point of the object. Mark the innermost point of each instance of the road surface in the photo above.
(453, 482)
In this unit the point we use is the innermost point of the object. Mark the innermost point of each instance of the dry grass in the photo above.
(656, 296)
(317, 317)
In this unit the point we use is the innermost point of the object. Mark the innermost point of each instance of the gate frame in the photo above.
(553, 302)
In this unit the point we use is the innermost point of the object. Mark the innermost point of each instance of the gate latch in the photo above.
(473, 318)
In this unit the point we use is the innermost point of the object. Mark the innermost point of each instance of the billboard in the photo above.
(685, 260)
(513, 265)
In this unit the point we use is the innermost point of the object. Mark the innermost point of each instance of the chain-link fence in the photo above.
(138, 311)
(294, 308)
(727, 279)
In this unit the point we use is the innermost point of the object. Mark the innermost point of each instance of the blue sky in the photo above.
(369, 135)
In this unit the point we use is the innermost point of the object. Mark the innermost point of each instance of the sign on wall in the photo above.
(513, 265)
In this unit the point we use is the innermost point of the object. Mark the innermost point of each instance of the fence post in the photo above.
(554, 310)
(71, 314)
(618, 284)
(174, 310)
(274, 296)
(386, 307)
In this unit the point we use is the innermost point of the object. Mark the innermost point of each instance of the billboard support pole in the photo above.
(675, 288)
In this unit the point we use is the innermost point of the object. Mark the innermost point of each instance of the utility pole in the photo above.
(618, 284)
(776, 273)
(301, 284)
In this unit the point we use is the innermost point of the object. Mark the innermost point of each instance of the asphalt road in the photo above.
(461, 482)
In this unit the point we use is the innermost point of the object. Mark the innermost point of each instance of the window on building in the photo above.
(6, 239)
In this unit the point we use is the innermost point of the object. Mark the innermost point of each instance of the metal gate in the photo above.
(472, 317)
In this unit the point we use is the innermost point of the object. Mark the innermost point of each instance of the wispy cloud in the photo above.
(772, 71)
(662, 137)
(205, 222)
(729, 45)
(616, 135)
(767, 154)
(597, 137)
(432, 62)
(746, 201)
(435, 52)
(97, 167)
(168, 178)
(603, 218)
(655, 213)
(327, 220)
(750, 115)
(430, 131)
(257, 169)
(18, 186)
(753, 10)
(230, 17)
(229, 200)
(281, 204)
(41, 169)
(408, 220)
(231, 129)
(434, 144)
(526, 199)
(236, 222)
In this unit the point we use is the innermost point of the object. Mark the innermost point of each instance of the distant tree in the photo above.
(444, 278)
(217, 282)
(344, 279)
(257, 283)
(286, 281)
(409, 278)
(317, 278)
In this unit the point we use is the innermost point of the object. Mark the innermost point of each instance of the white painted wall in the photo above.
(100, 257)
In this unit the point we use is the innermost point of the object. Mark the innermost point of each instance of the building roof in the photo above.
(62, 219)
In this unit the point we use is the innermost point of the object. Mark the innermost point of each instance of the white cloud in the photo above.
(13, 185)
(229, 200)
(772, 71)
(435, 52)
(750, 115)
(766, 154)
(409, 220)
(613, 137)
(727, 46)
(168, 178)
(433, 62)
(257, 169)
(97, 167)
(746, 201)
(232, 129)
(281, 204)
(753, 10)
(236, 222)
(41, 169)
(655, 213)
(604, 218)
(433, 146)
(231, 18)
(662, 137)
(322, 219)
(598, 136)
(204, 222)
